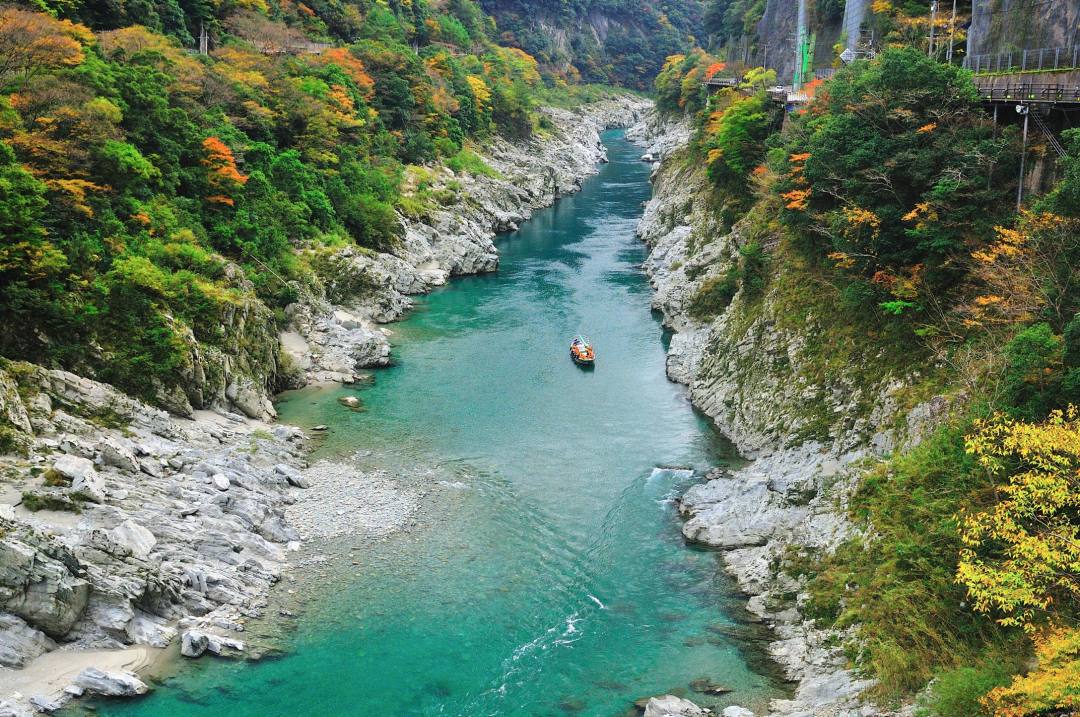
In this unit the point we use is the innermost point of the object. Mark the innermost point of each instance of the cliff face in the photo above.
(1007, 25)
(779, 26)
(621, 42)
(805, 400)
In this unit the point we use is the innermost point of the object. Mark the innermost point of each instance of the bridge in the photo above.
(717, 83)
(1045, 77)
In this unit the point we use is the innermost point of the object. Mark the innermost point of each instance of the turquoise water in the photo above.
(546, 575)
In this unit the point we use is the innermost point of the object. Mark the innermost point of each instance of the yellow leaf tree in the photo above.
(1021, 554)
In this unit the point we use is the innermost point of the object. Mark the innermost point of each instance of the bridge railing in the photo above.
(1044, 59)
(1025, 92)
(722, 82)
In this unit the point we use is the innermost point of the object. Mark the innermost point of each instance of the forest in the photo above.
(138, 172)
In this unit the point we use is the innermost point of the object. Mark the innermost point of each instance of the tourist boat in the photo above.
(581, 351)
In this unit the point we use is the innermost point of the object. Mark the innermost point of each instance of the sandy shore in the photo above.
(49, 674)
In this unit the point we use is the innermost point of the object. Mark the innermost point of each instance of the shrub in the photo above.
(37, 501)
(1032, 379)
(899, 585)
(470, 162)
(957, 693)
(714, 295)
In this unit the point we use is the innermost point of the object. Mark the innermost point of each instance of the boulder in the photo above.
(196, 643)
(736, 711)
(73, 468)
(39, 586)
(11, 405)
(349, 401)
(20, 643)
(48, 705)
(145, 630)
(347, 320)
(247, 397)
(672, 706)
(707, 687)
(221, 481)
(276, 530)
(293, 476)
(8, 709)
(193, 643)
(110, 684)
(135, 538)
(116, 455)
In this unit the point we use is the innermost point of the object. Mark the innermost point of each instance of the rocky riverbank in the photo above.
(454, 235)
(807, 432)
(125, 529)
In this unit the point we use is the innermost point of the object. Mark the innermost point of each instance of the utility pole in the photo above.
(952, 29)
(1024, 110)
(933, 21)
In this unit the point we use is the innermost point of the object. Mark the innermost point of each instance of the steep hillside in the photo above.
(620, 42)
(167, 212)
(858, 306)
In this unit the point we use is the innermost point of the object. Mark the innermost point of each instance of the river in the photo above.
(546, 574)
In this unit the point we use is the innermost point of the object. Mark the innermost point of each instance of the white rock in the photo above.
(193, 643)
(10, 709)
(145, 630)
(672, 706)
(293, 476)
(736, 711)
(347, 320)
(92, 486)
(74, 467)
(110, 684)
(221, 481)
(135, 538)
(47, 705)
(116, 455)
(20, 643)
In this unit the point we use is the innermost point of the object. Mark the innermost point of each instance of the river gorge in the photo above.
(542, 571)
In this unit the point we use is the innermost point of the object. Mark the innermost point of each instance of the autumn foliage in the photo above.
(222, 175)
(32, 42)
(134, 170)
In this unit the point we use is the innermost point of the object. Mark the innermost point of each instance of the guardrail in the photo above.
(1044, 59)
(1025, 92)
(722, 82)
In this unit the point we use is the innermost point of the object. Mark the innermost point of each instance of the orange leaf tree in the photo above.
(222, 174)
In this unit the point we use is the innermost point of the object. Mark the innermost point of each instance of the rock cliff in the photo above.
(118, 519)
(807, 426)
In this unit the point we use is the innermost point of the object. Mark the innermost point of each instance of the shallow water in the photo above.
(546, 575)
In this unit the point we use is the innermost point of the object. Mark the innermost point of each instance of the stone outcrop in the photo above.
(806, 431)
(131, 520)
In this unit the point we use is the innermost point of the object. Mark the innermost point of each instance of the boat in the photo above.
(581, 351)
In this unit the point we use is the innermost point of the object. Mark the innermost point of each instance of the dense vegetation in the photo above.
(622, 42)
(136, 175)
(897, 194)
